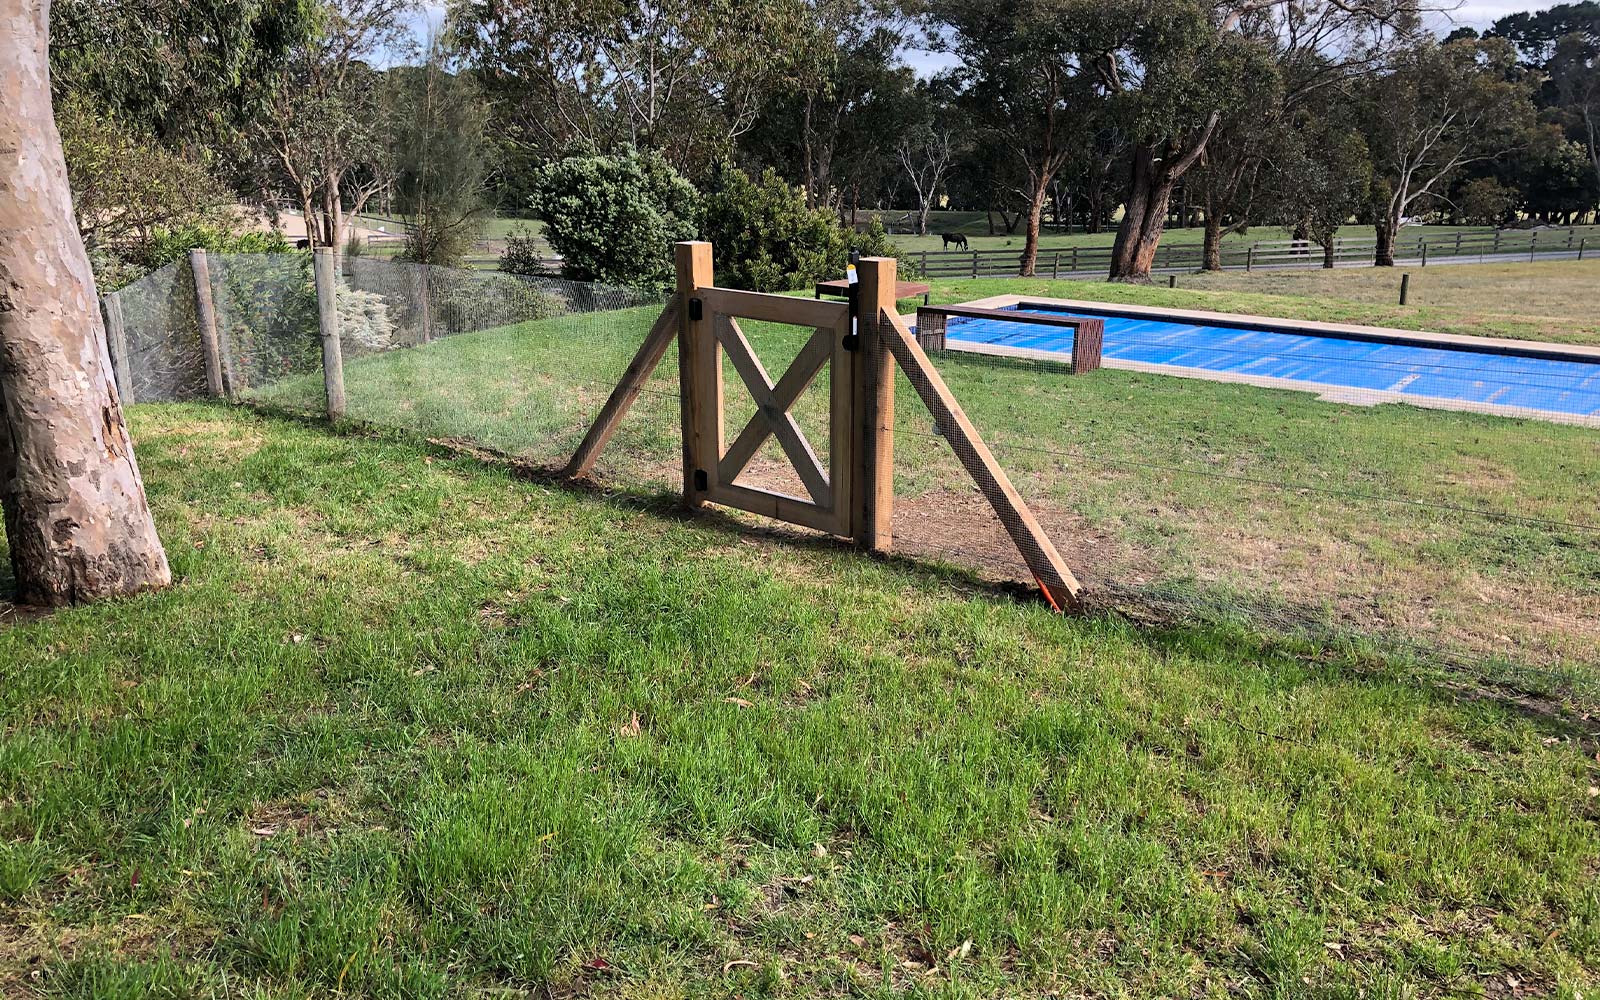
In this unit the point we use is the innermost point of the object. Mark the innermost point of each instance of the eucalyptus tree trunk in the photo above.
(1155, 173)
(1030, 244)
(1143, 221)
(1386, 230)
(1213, 244)
(76, 517)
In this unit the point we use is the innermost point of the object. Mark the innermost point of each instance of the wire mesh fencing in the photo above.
(513, 364)
(1439, 533)
(162, 356)
(1349, 516)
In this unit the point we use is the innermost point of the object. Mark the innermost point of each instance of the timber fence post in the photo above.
(117, 344)
(699, 373)
(874, 405)
(206, 315)
(328, 321)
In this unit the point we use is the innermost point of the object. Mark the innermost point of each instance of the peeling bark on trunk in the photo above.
(75, 510)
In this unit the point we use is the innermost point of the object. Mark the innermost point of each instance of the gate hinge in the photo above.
(701, 481)
(696, 310)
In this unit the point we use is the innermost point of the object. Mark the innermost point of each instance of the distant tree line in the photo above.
(1069, 115)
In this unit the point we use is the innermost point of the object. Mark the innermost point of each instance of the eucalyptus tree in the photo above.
(326, 130)
(1243, 151)
(1322, 179)
(929, 145)
(76, 518)
(686, 78)
(191, 73)
(1025, 85)
(1438, 110)
(1575, 76)
(836, 128)
(1181, 72)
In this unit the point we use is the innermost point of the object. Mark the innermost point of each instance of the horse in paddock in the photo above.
(953, 239)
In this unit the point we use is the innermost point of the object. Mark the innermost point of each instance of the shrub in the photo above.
(125, 264)
(614, 218)
(1484, 201)
(767, 240)
(523, 254)
(364, 319)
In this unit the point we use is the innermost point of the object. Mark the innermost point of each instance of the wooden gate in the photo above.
(712, 466)
(854, 495)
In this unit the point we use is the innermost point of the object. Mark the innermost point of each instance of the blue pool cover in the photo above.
(1533, 383)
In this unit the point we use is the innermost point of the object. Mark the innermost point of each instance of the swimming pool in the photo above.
(1544, 379)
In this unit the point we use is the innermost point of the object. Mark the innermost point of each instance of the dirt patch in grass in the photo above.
(305, 815)
(959, 527)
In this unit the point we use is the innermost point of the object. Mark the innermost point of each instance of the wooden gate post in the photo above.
(874, 439)
(206, 313)
(328, 321)
(699, 373)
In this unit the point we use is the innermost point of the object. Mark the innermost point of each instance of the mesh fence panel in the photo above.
(1436, 532)
(266, 308)
(164, 359)
(517, 364)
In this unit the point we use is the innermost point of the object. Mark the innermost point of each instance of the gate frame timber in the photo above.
(709, 318)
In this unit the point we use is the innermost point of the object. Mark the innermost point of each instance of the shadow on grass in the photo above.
(1172, 617)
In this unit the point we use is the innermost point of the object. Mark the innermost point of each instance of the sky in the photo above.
(1474, 13)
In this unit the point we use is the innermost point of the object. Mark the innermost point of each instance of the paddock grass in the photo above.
(1550, 300)
(975, 227)
(409, 725)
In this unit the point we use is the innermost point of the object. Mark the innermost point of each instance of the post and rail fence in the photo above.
(1497, 246)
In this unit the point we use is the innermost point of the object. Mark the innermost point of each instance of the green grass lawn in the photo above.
(409, 725)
